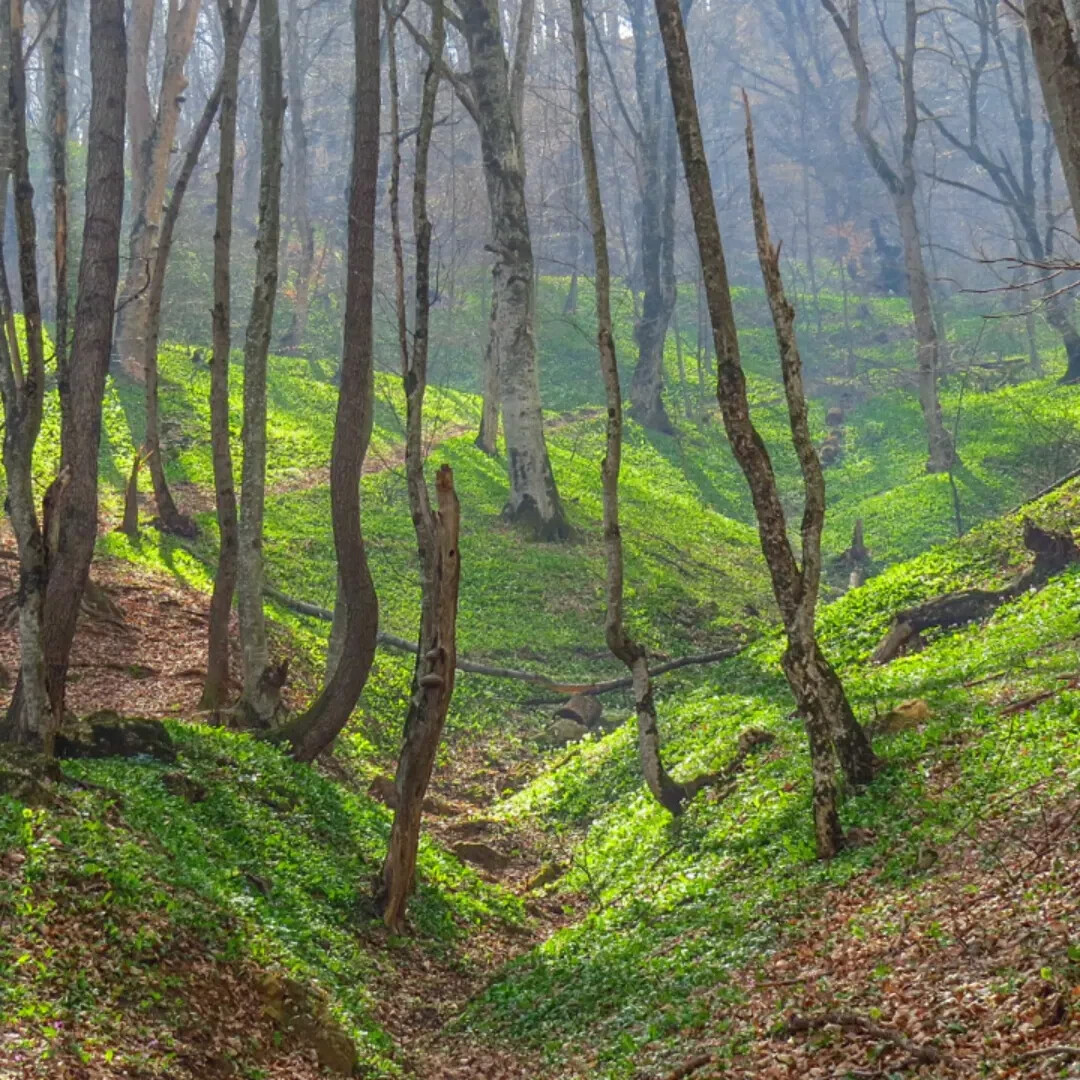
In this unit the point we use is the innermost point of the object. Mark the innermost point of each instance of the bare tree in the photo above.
(666, 791)
(215, 688)
(901, 181)
(314, 731)
(436, 530)
(262, 680)
(152, 131)
(826, 713)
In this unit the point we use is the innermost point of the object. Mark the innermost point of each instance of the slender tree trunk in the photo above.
(31, 721)
(76, 510)
(262, 681)
(665, 790)
(298, 160)
(170, 519)
(216, 686)
(534, 500)
(794, 587)
(487, 438)
(314, 731)
(436, 533)
(54, 45)
(152, 136)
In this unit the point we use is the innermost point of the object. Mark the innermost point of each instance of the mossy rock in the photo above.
(28, 777)
(107, 734)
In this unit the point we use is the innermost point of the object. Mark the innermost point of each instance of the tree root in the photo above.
(1053, 552)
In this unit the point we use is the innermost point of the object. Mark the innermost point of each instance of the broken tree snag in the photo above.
(130, 525)
(856, 559)
(1053, 551)
(583, 708)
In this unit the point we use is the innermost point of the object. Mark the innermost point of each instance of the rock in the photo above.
(384, 790)
(564, 731)
(302, 1014)
(105, 734)
(583, 708)
(482, 855)
(183, 787)
(547, 873)
(25, 776)
(906, 715)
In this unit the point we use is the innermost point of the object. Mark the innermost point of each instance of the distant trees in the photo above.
(901, 181)
(827, 715)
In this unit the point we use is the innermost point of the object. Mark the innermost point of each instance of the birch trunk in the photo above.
(215, 688)
(534, 500)
(262, 682)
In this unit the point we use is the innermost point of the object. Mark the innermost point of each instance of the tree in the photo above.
(314, 731)
(489, 95)
(23, 387)
(152, 132)
(436, 530)
(901, 181)
(215, 688)
(826, 713)
(73, 512)
(666, 791)
(262, 680)
(1015, 180)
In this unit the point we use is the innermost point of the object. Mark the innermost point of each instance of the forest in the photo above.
(540, 539)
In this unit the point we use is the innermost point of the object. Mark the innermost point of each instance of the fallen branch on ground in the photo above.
(1070, 1052)
(1053, 552)
(917, 1054)
(690, 1066)
(302, 607)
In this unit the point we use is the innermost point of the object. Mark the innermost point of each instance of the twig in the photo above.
(1070, 1052)
(919, 1054)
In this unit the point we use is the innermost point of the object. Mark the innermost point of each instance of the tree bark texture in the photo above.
(216, 686)
(75, 511)
(534, 500)
(262, 681)
(314, 731)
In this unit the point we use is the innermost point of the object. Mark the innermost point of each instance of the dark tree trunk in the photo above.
(76, 514)
(314, 731)
(262, 681)
(216, 687)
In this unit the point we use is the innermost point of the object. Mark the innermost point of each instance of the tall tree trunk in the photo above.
(534, 500)
(75, 512)
(314, 731)
(23, 387)
(794, 587)
(216, 686)
(262, 682)
(152, 135)
(54, 45)
(436, 532)
(665, 790)
(299, 165)
(170, 519)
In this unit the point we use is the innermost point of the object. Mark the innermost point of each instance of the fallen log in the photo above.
(391, 641)
(1053, 552)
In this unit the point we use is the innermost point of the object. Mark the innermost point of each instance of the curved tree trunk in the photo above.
(314, 731)
(262, 681)
(215, 688)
